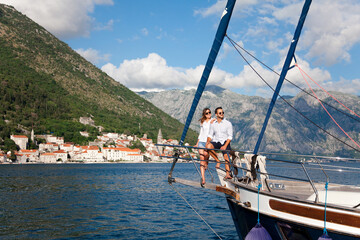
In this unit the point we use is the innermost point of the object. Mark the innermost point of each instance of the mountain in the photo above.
(47, 86)
(287, 130)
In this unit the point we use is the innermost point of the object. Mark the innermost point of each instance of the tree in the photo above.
(139, 145)
(10, 145)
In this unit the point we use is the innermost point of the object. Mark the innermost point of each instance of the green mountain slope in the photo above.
(47, 86)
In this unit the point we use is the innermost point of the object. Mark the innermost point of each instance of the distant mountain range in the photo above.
(47, 86)
(287, 131)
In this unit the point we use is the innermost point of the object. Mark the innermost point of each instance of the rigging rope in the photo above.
(287, 101)
(301, 70)
(302, 73)
(272, 70)
(195, 211)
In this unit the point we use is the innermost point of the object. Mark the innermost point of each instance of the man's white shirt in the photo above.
(220, 132)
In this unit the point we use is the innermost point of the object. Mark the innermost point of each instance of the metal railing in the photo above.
(184, 153)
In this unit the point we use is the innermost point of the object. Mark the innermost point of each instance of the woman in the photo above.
(205, 122)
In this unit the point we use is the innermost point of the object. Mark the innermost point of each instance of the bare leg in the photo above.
(213, 154)
(227, 166)
(203, 165)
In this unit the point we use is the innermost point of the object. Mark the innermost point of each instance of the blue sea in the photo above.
(106, 201)
(112, 201)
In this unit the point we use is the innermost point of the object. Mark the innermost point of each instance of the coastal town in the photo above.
(109, 147)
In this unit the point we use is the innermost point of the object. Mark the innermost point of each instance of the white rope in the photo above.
(195, 211)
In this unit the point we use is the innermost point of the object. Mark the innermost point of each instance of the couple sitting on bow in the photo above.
(215, 133)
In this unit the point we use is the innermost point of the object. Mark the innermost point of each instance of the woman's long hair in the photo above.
(203, 117)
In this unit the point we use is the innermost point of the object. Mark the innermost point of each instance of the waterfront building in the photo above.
(48, 157)
(134, 157)
(66, 147)
(20, 158)
(2, 157)
(20, 140)
(117, 154)
(91, 154)
(61, 155)
(30, 155)
(48, 147)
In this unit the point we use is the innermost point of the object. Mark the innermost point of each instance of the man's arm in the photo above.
(226, 144)
(229, 131)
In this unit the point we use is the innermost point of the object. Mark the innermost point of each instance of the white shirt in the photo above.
(204, 131)
(220, 132)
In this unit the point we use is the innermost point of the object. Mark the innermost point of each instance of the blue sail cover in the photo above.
(219, 37)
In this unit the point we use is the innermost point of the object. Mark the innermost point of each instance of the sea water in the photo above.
(121, 201)
(106, 201)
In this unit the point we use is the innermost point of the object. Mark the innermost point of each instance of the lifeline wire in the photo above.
(289, 103)
(195, 211)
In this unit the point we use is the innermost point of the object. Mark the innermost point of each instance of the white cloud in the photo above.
(93, 55)
(344, 85)
(332, 28)
(152, 73)
(65, 18)
(218, 7)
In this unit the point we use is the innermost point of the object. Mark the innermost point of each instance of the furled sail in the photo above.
(219, 37)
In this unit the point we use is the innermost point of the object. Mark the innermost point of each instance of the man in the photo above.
(220, 136)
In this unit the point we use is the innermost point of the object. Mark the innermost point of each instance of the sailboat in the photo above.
(288, 206)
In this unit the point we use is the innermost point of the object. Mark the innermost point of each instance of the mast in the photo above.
(219, 37)
(284, 70)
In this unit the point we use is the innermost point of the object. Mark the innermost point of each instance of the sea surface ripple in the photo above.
(106, 201)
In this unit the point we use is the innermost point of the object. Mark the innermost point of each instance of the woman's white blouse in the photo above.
(204, 131)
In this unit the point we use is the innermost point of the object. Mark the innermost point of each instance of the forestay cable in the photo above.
(195, 211)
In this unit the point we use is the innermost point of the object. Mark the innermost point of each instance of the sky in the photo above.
(162, 44)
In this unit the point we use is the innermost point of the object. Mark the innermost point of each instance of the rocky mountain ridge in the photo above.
(287, 130)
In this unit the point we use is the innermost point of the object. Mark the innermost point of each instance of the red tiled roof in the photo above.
(28, 151)
(59, 151)
(19, 136)
(48, 154)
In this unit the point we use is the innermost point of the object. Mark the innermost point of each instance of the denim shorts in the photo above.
(201, 144)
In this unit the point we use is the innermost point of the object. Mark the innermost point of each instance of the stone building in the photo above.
(20, 140)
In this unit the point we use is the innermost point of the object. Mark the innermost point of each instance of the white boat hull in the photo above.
(283, 216)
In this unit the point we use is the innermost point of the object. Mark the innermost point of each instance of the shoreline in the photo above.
(33, 163)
